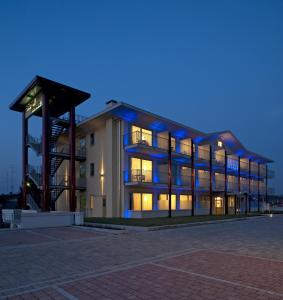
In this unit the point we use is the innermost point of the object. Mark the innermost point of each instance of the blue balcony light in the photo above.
(158, 126)
(198, 139)
(155, 177)
(200, 164)
(126, 176)
(181, 134)
(181, 160)
(126, 139)
(127, 214)
(126, 114)
(158, 155)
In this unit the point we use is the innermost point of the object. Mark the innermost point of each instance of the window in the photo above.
(91, 170)
(91, 202)
(141, 201)
(185, 202)
(163, 202)
(82, 146)
(185, 146)
(82, 170)
(141, 136)
(173, 144)
(91, 139)
(231, 201)
(141, 170)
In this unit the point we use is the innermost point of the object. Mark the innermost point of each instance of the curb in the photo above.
(154, 228)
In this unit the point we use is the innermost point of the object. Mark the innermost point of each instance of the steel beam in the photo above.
(193, 176)
(72, 162)
(210, 179)
(24, 160)
(225, 186)
(45, 154)
(170, 174)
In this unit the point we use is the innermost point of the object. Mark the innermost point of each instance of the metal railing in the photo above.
(140, 175)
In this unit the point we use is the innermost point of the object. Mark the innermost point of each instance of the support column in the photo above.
(45, 154)
(249, 195)
(210, 179)
(239, 183)
(225, 188)
(258, 187)
(266, 185)
(24, 160)
(72, 163)
(170, 174)
(193, 176)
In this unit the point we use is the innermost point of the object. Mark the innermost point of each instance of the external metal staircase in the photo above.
(58, 152)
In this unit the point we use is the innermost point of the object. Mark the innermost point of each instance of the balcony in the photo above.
(156, 146)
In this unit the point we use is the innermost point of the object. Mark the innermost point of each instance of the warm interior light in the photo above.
(220, 144)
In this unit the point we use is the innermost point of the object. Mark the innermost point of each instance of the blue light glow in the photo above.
(127, 214)
(126, 114)
(181, 134)
(158, 126)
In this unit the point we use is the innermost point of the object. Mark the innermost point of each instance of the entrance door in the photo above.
(218, 205)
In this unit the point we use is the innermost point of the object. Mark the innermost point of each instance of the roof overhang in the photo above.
(232, 145)
(61, 96)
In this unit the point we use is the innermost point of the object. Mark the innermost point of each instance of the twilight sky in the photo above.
(212, 65)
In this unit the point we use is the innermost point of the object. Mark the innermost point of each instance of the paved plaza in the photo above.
(231, 260)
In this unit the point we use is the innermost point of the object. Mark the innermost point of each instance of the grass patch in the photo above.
(150, 222)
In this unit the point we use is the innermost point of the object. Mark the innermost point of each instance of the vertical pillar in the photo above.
(170, 174)
(239, 183)
(258, 187)
(193, 176)
(225, 186)
(210, 179)
(45, 154)
(24, 160)
(72, 166)
(249, 195)
(266, 185)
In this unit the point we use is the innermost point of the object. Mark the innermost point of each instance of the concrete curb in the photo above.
(154, 228)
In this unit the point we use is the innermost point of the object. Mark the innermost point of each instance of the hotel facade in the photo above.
(128, 162)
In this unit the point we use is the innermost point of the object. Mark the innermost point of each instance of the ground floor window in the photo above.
(204, 202)
(141, 201)
(163, 202)
(91, 202)
(231, 201)
(185, 202)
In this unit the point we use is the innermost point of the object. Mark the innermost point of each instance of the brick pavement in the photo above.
(239, 260)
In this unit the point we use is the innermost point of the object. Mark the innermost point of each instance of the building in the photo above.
(127, 162)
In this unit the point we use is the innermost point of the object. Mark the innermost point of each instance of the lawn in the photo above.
(164, 221)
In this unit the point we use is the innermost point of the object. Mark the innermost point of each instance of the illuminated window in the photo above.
(163, 202)
(141, 136)
(185, 146)
(218, 202)
(141, 170)
(231, 201)
(220, 144)
(141, 201)
(91, 202)
(185, 201)
(173, 144)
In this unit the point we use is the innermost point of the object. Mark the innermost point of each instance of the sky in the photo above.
(212, 65)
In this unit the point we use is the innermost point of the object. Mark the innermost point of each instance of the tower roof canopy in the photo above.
(60, 96)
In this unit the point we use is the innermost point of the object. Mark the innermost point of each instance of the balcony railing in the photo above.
(141, 175)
